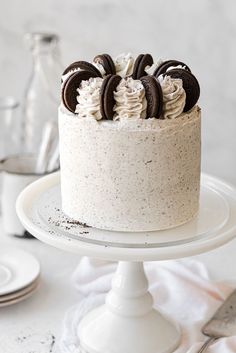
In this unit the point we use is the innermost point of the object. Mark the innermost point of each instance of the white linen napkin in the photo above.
(181, 289)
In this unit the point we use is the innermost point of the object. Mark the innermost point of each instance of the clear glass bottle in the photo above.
(42, 95)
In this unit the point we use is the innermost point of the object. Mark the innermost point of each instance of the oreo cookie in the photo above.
(107, 100)
(154, 96)
(161, 69)
(190, 85)
(69, 89)
(136, 64)
(83, 65)
(106, 61)
(141, 62)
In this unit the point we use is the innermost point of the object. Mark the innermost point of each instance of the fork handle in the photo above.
(207, 344)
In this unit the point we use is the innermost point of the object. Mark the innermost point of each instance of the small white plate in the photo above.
(20, 293)
(18, 269)
(19, 298)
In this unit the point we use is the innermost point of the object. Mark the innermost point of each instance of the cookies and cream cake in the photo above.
(130, 143)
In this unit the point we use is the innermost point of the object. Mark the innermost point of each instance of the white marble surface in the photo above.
(202, 33)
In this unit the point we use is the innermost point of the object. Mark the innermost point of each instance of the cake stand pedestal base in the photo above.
(127, 323)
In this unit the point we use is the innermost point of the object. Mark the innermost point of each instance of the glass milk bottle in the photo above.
(42, 95)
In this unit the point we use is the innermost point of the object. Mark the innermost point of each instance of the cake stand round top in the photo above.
(39, 209)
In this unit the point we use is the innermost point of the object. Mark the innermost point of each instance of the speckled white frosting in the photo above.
(130, 100)
(174, 97)
(124, 64)
(130, 175)
(89, 99)
(151, 69)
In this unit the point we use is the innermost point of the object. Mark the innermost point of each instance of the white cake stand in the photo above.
(127, 323)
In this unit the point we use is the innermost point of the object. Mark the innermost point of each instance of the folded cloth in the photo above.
(181, 289)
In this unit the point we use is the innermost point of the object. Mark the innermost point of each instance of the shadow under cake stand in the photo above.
(127, 322)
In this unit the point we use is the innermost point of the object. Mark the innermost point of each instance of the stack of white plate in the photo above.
(19, 275)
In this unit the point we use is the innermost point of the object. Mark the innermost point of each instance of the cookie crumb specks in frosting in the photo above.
(82, 82)
(174, 97)
(89, 99)
(130, 143)
(124, 64)
(130, 100)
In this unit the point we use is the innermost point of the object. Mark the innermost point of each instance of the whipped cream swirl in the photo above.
(176, 67)
(89, 99)
(151, 69)
(130, 100)
(100, 68)
(68, 74)
(124, 64)
(174, 96)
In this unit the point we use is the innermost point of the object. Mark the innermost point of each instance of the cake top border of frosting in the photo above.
(134, 125)
(161, 90)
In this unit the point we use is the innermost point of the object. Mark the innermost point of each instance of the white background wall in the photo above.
(202, 33)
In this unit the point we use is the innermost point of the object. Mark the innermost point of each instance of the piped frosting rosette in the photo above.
(129, 89)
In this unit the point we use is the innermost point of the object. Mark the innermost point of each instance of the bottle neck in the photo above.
(46, 70)
(45, 57)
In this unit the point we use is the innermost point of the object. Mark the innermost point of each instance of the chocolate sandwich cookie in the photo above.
(106, 61)
(161, 69)
(82, 65)
(69, 89)
(154, 96)
(141, 62)
(190, 85)
(107, 100)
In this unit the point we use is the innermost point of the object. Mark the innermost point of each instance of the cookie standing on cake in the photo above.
(130, 143)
